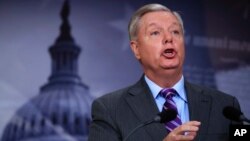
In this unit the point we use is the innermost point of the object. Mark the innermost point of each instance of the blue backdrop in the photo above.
(217, 44)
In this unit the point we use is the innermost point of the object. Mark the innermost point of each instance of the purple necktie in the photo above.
(170, 104)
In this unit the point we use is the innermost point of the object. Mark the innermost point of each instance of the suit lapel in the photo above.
(142, 103)
(199, 107)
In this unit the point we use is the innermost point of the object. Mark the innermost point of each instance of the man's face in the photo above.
(160, 43)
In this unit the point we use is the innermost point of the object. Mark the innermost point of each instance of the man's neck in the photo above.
(165, 81)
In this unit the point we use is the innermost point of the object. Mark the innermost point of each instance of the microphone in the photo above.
(234, 114)
(162, 117)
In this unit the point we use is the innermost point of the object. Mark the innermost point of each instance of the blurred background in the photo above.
(217, 35)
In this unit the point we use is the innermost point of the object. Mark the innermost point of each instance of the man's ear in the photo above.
(135, 48)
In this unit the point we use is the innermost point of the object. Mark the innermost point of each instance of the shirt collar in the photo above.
(155, 89)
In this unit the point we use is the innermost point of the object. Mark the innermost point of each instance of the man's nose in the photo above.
(167, 38)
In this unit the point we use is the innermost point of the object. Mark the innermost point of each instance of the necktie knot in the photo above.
(168, 93)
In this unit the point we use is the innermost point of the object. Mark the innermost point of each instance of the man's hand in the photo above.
(185, 132)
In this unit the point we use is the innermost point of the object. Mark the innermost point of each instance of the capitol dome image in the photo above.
(61, 110)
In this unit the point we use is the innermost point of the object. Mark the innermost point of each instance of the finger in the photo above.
(193, 123)
(182, 137)
(191, 133)
(190, 126)
(185, 128)
(174, 135)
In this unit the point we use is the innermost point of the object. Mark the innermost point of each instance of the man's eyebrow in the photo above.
(152, 24)
(155, 24)
(176, 24)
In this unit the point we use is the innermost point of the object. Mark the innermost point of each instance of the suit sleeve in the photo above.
(102, 126)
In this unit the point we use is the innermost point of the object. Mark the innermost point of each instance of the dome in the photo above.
(61, 111)
(61, 114)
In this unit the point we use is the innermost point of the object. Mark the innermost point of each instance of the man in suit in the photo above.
(157, 41)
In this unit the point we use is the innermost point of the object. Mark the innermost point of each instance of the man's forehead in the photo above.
(152, 18)
(155, 24)
(158, 13)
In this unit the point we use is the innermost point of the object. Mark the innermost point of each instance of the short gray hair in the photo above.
(135, 19)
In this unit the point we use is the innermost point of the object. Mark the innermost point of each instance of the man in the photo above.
(157, 41)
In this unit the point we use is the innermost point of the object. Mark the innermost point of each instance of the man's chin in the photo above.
(170, 67)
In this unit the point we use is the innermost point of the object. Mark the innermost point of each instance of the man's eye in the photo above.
(176, 32)
(155, 33)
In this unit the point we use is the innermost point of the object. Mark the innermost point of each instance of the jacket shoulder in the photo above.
(215, 94)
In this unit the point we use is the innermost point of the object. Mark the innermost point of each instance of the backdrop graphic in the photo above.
(217, 45)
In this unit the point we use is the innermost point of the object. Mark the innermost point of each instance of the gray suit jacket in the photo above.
(116, 114)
